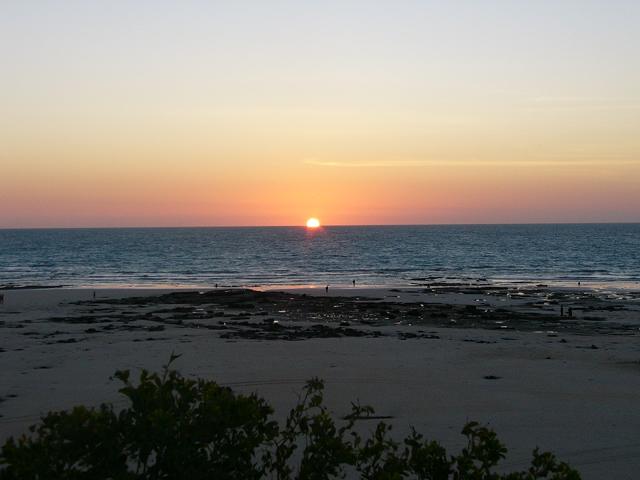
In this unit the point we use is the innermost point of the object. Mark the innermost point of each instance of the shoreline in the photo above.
(618, 285)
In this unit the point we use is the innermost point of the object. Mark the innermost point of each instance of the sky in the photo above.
(266, 113)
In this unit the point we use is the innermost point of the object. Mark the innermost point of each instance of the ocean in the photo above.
(371, 255)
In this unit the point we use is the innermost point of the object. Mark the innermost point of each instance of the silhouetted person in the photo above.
(354, 283)
(94, 294)
(1, 298)
(216, 285)
(326, 289)
(570, 312)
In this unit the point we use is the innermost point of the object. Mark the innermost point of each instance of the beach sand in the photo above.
(433, 357)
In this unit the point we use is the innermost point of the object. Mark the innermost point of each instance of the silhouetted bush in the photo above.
(178, 428)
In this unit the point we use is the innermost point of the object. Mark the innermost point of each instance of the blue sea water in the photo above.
(372, 255)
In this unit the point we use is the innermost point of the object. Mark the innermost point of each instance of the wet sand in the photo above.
(432, 356)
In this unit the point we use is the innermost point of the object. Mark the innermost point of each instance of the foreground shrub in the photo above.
(179, 428)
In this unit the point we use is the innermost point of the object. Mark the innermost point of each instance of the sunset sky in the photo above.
(266, 113)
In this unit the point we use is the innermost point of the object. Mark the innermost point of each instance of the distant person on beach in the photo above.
(1, 298)
(326, 289)
(354, 283)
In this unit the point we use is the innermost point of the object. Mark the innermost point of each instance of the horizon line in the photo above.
(130, 227)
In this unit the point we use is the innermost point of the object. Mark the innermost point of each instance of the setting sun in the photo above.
(313, 223)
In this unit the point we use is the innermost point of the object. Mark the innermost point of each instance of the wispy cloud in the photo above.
(603, 161)
(581, 103)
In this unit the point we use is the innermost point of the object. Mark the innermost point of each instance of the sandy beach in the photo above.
(431, 356)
